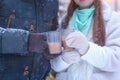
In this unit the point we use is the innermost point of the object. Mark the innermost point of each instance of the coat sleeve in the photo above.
(106, 58)
(13, 41)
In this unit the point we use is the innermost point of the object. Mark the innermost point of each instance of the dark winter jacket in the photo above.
(17, 18)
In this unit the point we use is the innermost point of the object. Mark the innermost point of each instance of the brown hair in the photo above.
(98, 25)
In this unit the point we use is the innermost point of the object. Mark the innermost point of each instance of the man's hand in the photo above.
(37, 43)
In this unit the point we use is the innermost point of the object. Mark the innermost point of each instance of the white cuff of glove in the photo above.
(58, 64)
(71, 57)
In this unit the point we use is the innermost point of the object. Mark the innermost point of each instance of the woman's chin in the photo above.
(83, 6)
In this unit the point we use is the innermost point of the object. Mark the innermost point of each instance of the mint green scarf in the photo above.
(81, 19)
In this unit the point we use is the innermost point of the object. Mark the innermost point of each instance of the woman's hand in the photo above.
(78, 41)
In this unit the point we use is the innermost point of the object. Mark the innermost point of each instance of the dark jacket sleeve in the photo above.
(13, 41)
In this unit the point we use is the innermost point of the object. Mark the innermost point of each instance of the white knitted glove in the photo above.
(78, 41)
(71, 57)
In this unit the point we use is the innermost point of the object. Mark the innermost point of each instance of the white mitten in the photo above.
(71, 57)
(78, 41)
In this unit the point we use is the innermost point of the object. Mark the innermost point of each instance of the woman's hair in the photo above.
(98, 24)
